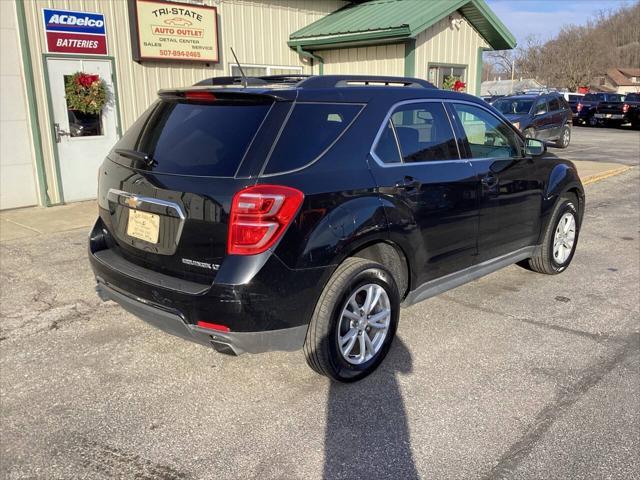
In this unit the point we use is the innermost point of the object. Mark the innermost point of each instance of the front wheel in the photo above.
(354, 321)
(560, 238)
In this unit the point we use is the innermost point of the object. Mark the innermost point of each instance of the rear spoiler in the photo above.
(207, 95)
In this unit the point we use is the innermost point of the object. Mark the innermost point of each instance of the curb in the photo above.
(601, 176)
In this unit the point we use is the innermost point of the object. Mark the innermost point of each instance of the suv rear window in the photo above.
(197, 138)
(311, 130)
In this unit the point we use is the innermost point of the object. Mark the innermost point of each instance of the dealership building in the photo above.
(52, 143)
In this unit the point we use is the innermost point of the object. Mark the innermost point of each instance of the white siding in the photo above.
(258, 31)
(17, 175)
(374, 60)
(442, 43)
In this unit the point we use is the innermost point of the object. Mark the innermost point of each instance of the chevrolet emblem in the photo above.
(132, 202)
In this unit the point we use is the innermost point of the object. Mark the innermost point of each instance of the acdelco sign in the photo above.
(75, 32)
(73, 22)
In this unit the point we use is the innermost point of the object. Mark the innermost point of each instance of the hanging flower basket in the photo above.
(86, 93)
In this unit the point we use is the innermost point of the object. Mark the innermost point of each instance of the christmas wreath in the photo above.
(454, 83)
(86, 93)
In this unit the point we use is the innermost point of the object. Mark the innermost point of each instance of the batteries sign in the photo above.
(75, 32)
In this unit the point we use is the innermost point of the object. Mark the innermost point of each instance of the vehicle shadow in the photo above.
(367, 431)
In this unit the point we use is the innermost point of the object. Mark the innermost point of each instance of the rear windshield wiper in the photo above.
(137, 156)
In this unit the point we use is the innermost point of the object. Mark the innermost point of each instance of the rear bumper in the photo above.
(233, 343)
(265, 304)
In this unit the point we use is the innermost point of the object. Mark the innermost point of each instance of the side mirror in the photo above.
(534, 148)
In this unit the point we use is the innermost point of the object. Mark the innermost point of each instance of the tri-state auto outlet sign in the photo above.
(173, 31)
(75, 32)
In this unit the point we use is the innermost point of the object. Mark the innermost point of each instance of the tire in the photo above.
(328, 324)
(529, 133)
(593, 121)
(565, 138)
(545, 260)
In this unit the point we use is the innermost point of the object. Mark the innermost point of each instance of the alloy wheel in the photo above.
(364, 324)
(564, 238)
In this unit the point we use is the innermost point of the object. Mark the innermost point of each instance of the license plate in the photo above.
(143, 225)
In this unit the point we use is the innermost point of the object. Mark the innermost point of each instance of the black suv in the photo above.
(547, 117)
(304, 212)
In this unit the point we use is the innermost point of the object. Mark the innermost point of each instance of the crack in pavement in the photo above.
(597, 337)
(564, 399)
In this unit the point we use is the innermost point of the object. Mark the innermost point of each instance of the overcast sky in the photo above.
(545, 17)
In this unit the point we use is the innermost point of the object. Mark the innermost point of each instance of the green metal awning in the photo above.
(383, 21)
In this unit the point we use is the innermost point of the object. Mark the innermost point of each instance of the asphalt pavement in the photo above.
(600, 144)
(516, 375)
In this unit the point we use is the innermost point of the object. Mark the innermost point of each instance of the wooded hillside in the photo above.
(578, 53)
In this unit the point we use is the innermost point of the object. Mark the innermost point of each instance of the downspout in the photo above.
(313, 57)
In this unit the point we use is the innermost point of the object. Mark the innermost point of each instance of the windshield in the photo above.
(509, 106)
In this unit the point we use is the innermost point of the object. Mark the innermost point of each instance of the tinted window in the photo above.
(197, 139)
(633, 97)
(487, 135)
(424, 133)
(540, 107)
(564, 105)
(554, 104)
(311, 129)
(615, 98)
(508, 106)
(575, 98)
(387, 147)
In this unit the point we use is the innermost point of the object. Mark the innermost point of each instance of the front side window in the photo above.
(487, 135)
(424, 133)
(541, 107)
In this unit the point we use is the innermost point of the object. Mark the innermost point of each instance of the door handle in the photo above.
(408, 183)
(490, 180)
(59, 132)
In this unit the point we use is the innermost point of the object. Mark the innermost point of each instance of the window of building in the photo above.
(444, 75)
(264, 70)
(487, 135)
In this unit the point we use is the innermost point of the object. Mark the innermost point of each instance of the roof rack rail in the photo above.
(253, 81)
(331, 81)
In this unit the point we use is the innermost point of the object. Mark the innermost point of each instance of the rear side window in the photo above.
(554, 104)
(387, 147)
(424, 133)
(311, 130)
(633, 97)
(199, 138)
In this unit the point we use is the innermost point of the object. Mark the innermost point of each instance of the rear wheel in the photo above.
(354, 321)
(565, 137)
(560, 238)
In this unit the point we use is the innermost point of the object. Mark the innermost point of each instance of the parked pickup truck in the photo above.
(601, 108)
(631, 109)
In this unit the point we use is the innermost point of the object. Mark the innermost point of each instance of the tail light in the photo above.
(259, 216)
(625, 108)
(579, 107)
